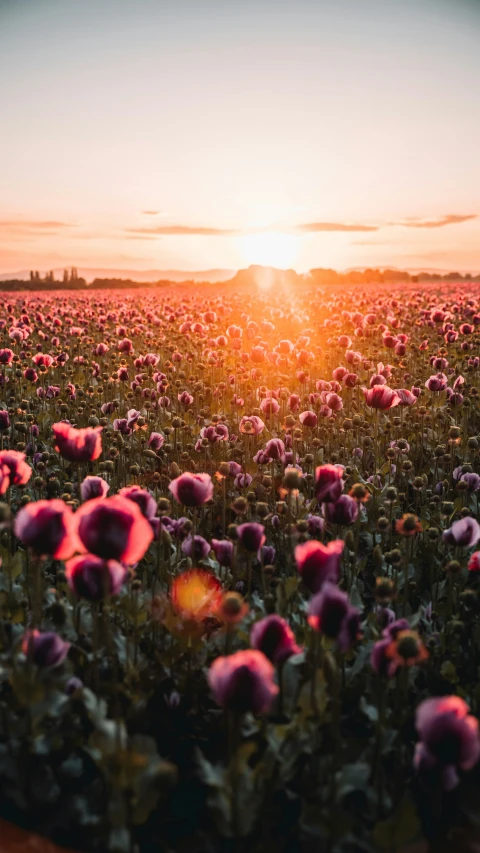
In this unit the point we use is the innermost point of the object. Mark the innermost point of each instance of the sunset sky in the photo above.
(187, 134)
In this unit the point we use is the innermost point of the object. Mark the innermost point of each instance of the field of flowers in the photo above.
(239, 588)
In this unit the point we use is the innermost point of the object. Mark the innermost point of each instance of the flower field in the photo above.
(240, 568)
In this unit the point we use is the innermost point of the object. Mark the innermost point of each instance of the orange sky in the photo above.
(193, 135)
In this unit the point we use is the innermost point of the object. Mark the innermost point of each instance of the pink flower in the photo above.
(144, 500)
(328, 483)
(318, 563)
(77, 445)
(92, 578)
(114, 529)
(449, 738)
(93, 487)
(308, 419)
(274, 637)
(407, 398)
(251, 536)
(252, 425)
(156, 441)
(48, 528)
(14, 471)
(243, 682)
(464, 532)
(342, 511)
(381, 397)
(192, 489)
(331, 613)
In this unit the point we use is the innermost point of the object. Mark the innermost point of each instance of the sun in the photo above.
(270, 249)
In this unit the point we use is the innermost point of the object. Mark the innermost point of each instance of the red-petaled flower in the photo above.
(77, 445)
(381, 397)
(114, 529)
(48, 528)
(14, 471)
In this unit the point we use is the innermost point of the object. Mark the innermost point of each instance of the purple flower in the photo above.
(197, 548)
(144, 500)
(464, 532)
(192, 489)
(328, 483)
(331, 613)
(243, 682)
(267, 555)
(343, 511)
(318, 563)
(274, 637)
(46, 649)
(92, 578)
(251, 536)
(449, 738)
(93, 487)
(156, 441)
(223, 550)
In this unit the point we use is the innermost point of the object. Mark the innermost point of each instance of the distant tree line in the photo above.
(72, 281)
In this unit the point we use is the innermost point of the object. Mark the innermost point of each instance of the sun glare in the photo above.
(270, 248)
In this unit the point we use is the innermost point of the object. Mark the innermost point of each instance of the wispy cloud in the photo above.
(184, 230)
(441, 222)
(315, 227)
(32, 227)
(151, 212)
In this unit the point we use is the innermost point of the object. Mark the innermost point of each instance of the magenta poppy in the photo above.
(318, 563)
(92, 578)
(274, 637)
(328, 483)
(243, 682)
(77, 445)
(48, 528)
(192, 489)
(114, 529)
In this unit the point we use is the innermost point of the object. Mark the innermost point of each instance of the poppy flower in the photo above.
(251, 536)
(192, 489)
(342, 511)
(114, 529)
(243, 682)
(318, 563)
(144, 500)
(449, 739)
(405, 649)
(77, 445)
(232, 608)
(46, 648)
(93, 487)
(48, 528)
(15, 470)
(331, 613)
(252, 425)
(474, 562)
(196, 594)
(408, 525)
(92, 578)
(274, 637)
(328, 483)
(381, 397)
(464, 532)
(223, 550)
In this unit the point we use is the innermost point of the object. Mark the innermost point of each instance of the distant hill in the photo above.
(89, 274)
